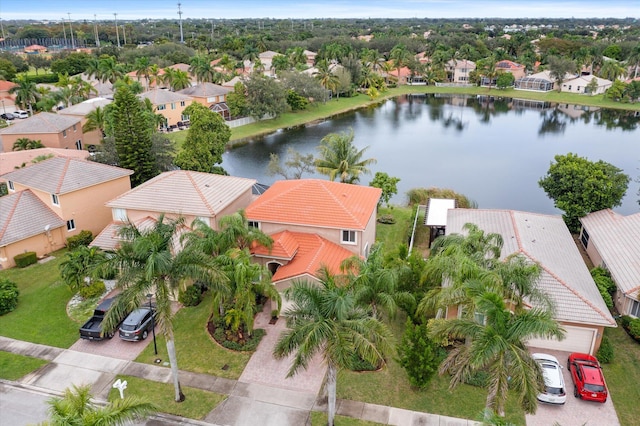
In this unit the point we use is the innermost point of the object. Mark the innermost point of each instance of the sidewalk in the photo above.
(247, 404)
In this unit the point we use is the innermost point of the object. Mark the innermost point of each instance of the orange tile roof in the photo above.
(313, 253)
(316, 202)
(6, 85)
(285, 246)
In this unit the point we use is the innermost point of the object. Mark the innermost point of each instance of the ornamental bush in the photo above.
(605, 353)
(8, 296)
(419, 355)
(92, 290)
(191, 296)
(84, 238)
(25, 259)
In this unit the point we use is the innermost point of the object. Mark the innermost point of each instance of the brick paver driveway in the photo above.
(575, 411)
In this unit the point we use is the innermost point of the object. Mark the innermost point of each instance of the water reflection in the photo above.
(492, 149)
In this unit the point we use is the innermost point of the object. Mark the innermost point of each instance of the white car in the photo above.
(555, 391)
(21, 114)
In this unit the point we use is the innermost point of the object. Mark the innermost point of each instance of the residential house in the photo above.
(545, 240)
(75, 190)
(311, 57)
(613, 242)
(579, 85)
(517, 70)
(401, 75)
(266, 58)
(53, 130)
(10, 161)
(538, 82)
(170, 105)
(313, 223)
(7, 100)
(211, 95)
(81, 110)
(35, 49)
(179, 193)
(458, 70)
(28, 224)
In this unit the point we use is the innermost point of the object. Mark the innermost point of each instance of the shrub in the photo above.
(603, 279)
(92, 290)
(634, 328)
(191, 296)
(221, 336)
(43, 78)
(25, 259)
(8, 296)
(605, 353)
(387, 219)
(84, 238)
(479, 379)
(419, 355)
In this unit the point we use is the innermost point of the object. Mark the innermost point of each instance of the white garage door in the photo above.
(577, 339)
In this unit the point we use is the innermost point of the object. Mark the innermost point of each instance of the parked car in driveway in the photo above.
(21, 114)
(587, 377)
(137, 325)
(7, 116)
(555, 391)
(92, 329)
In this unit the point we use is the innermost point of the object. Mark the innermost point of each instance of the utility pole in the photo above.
(115, 17)
(124, 33)
(64, 32)
(95, 30)
(180, 18)
(211, 30)
(2, 28)
(73, 44)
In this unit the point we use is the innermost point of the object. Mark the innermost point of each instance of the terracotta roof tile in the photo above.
(44, 122)
(285, 246)
(23, 215)
(10, 161)
(316, 202)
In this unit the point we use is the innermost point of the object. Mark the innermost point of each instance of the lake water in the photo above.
(492, 150)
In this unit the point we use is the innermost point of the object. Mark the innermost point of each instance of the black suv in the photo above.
(7, 116)
(137, 325)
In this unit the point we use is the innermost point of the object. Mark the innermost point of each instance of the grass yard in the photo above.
(41, 315)
(390, 386)
(13, 367)
(197, 405)
(623, 376)
(196, 351)
(320, 419)
(393, 235)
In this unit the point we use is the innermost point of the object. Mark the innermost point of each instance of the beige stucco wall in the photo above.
(41, 244)
(50, 140)
(211, 100)
(173, 111)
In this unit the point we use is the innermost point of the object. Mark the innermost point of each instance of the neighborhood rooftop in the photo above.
(24, 215)
(44, 122)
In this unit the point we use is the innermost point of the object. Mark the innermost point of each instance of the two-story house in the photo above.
(53, 130)
(313, 223)
(211, 95)
(72, 190)
(170, 105)
(80, 110)
(458, 70)
(176, 194)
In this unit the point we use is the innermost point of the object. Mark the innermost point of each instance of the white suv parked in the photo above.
(21, 114)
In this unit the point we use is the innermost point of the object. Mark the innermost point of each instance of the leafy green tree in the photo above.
(38, 62)
(142, 68)
(303, 84)
(419, 355)
(23, 144)
(206, 139)
(325, 318)
(295, 164)
(265, 97)
(72, 64)
(616, 91)
(326, 77)
(132, 132)
(296, 102)
(611, 70)
(339, 158)
(559, 67)
(237, 101)
(388, 185)
(8, 295)
(148, 262)
(578, 187)
(7, 70)
(504, 80)
(76, 408)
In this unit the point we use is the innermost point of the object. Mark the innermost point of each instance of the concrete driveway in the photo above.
(575, 411)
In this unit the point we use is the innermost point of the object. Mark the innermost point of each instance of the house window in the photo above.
(120, 215)
(79, 144)
(634, 308)
(54, 200)
(64, 133)
(569, 87)
(480, 318)
(173, 105)
(74, 127)
(205, 220)
(184, 117)
(349, 237)
(182, 103)
(161, 107)
(71, 225)
(253, 224)
(10, 185)
(584, 238)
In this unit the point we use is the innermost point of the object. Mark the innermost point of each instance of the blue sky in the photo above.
(306, 9)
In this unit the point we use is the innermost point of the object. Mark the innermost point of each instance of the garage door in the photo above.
(577, 339)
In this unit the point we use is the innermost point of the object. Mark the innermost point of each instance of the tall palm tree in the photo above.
(400, 56)
(498, 348)
(201, 68)
(327, 78)
(176, 79)
(235, 232)
(154, 75)
(96, 120)
(149, 261)
(93, 68)
(26, 93)
(611, 70)
(142, 67)
(79, 265)
(375, 285)
(326, 319)
(75, 408)
(339, 158)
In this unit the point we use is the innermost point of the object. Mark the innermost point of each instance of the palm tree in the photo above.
(93, 68)
(280, 63)
(142, 67)
(339, 158)
(400, 56)
(498, 348)
(176, 79)
(235, 232)
(375, 285)
(611, 70)
(96, 120)
(149, 261)
(26, 93)
(110, 70)
(154, 74)
(75, 408)
(327, 79)
(23, 144)
(201, 68)
(326, 319)
(80, 266)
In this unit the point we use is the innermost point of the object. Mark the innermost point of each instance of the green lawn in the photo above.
(197, 405)
(393, 235)
(13, 367)
(623, 376)
(196, 351)
(320, 419)
(41, 315)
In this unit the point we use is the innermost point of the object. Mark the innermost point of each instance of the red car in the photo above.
(587, 377)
